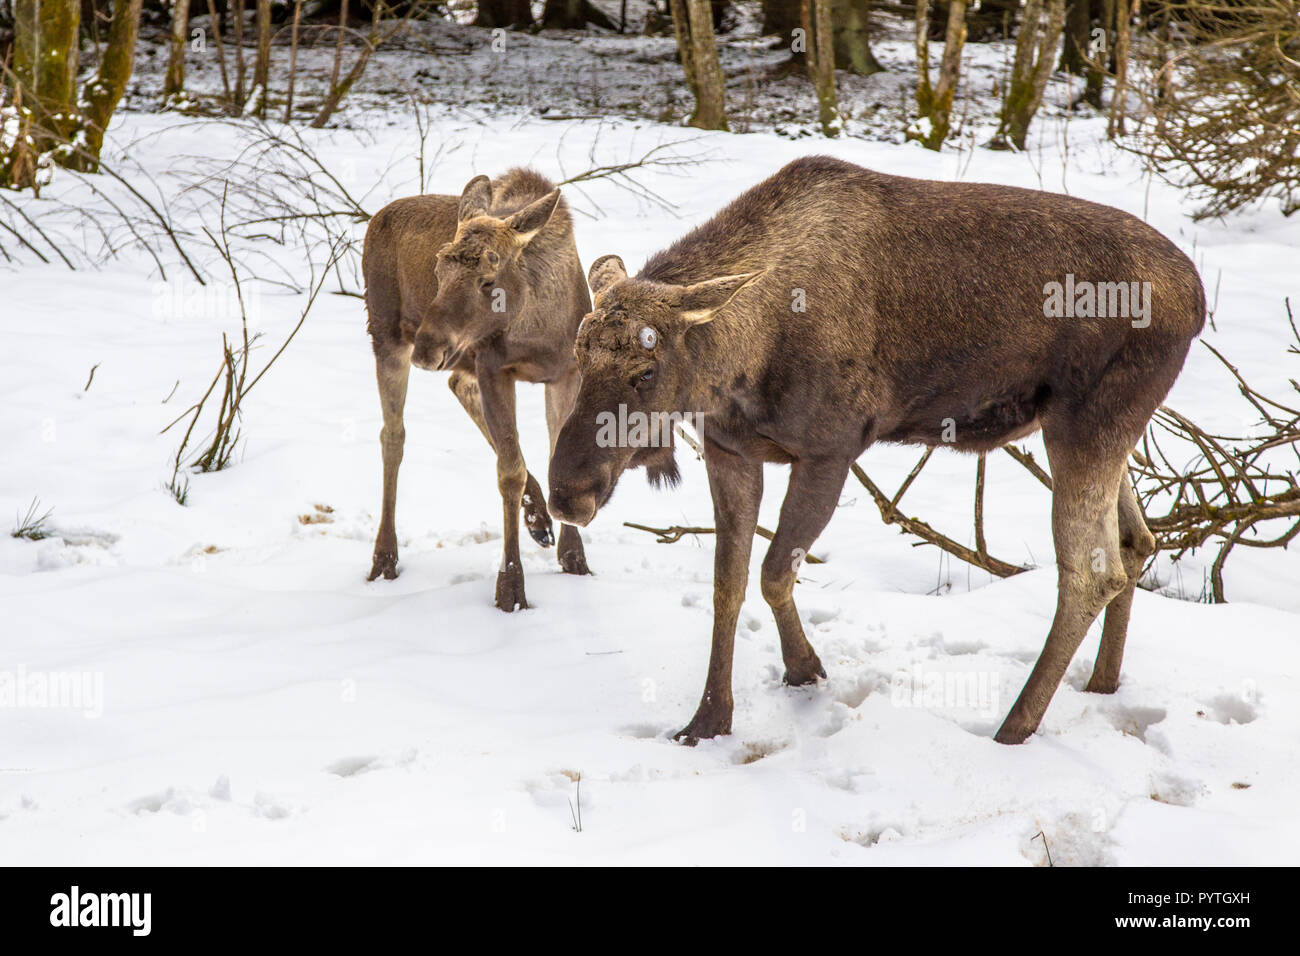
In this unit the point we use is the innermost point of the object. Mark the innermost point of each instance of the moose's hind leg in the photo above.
(1135, 545)
(1090, 571)
(809, 502)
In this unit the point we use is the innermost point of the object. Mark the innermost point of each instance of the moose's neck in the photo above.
(727, 359)
(730, 353)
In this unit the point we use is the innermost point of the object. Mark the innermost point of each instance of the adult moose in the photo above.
(487, 286)
(831, 307)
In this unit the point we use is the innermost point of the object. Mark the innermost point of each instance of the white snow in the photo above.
(262, 703)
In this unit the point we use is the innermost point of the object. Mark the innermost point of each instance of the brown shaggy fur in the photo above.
(922, 321)
(487, 286)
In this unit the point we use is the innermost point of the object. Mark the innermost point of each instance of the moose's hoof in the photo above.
(1013, 733)
(574, 562)
(806, 672)
(536, 518)
(704, 726)
(510, 590)
(386, 564)
(1101, 685)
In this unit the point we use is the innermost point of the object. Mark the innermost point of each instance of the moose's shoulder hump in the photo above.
(519, 186)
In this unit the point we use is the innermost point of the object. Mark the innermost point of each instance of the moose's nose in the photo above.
(572, 509)
(432, 351)
(427, 354)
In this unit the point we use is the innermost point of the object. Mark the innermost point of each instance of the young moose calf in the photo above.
(488, 287)
(831, 307)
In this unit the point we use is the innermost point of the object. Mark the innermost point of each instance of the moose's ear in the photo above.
(698, 303)
(529, 221)
(604, 272)
(476, 200)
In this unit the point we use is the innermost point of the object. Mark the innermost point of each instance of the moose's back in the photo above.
(931, 299)
(401, 250)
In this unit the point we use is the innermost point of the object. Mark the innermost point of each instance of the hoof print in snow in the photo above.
(756, 750)
(1175, 789)
(168, 800)
(641, 731)
(1230, 709)
(270, 808)
(352, 766)
(875, 835)
(1076, 839)
(356, 765)
(1134, 721)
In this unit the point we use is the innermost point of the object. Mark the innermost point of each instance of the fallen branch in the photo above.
(675, 533)
(890, 514)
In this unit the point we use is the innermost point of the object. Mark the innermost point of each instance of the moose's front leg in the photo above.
(393, 370)
(737, 488)
(810, 501)
(497, 389)
(559, 402)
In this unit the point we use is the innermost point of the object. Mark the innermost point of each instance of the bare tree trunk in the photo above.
(1107, 53)
(693, 26)
(785, 18)
(1077, 35)
(934, 103)
(104, 91)
(1030, 70)
(503, 13)
(573, 15)
(262, 66)
(339, 88)
(238, 16)
(338, 54)
(293, 61)
(174, 83)
(821, 63)
(45, 62)
(221, 55)
(18, 165)
(1081, 17)
(994, 20)
(682, 31)
(1123, 14)
(850, 21)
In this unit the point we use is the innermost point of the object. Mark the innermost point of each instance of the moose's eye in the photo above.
(492, 258)
(647, 337)
(647, 376)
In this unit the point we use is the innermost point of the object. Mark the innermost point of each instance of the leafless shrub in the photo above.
(218, 444)
(378, 34)
(92, 218)
(1229, 487)
(1222, 102)
(277, 189)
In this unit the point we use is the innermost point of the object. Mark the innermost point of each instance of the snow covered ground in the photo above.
(252, 699)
